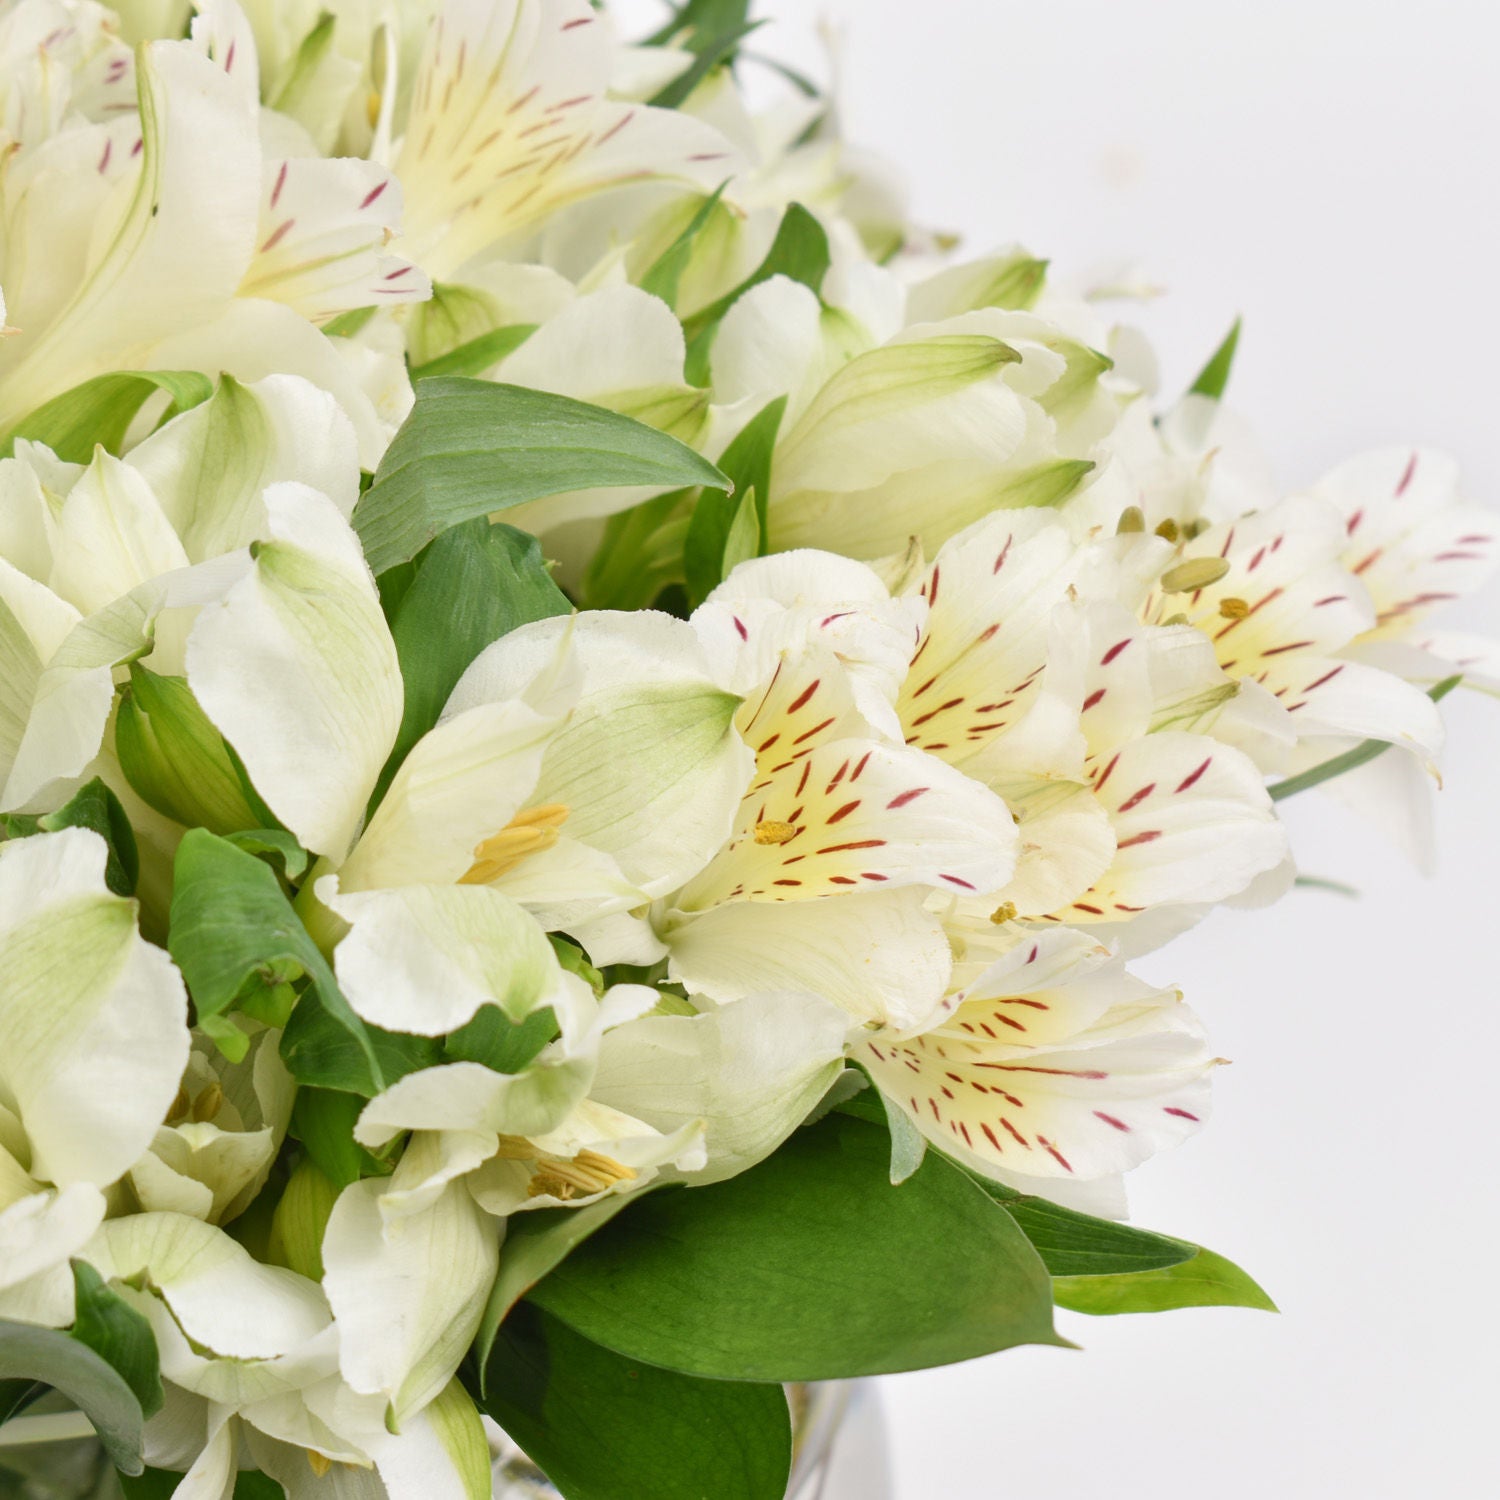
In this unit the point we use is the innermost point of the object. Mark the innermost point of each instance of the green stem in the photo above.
(1350, 759)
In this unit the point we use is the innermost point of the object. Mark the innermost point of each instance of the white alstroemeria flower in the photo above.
(752, 1072)
(408, 1291)
(510, 121)
(220, 1137)
(918, 435)
(1056, 1067)
(1416, 544)
(105, 563)
(250, 1358)
(81, 1098)
(842, 834)
(1200, 463)
(1089, 726)
(218, 251)
(1283, 615)
(531, 1139)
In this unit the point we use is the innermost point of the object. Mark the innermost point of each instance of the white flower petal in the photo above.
(297, 669)
(91, 1087)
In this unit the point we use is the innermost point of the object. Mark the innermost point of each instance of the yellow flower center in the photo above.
(530, 831)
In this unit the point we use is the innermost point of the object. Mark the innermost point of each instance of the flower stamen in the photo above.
(529, 832)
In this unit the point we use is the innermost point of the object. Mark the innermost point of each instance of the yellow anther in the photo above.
(1177, 619)
(319, 1463)
(181, 1105)
(1003, 914)
(588, 1172)
(208, 1103)
(1233, 609)
(1168, 530)
(1132, 518)
(530, 831)
(372, 107)
(1194, 574)
(774, 833)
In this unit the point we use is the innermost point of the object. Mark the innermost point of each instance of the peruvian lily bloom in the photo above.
(250, 1360)
(1056, 1070)
(220, 254)
(842, 834)
(214, 1151)
(82, 1097)
(1416, 544)
(919, 434)
(1273, 594)
(105, 563)
(511, 121)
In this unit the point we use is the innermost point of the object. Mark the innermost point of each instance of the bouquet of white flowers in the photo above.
(589, 724)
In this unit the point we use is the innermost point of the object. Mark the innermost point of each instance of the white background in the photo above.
(1331, 170)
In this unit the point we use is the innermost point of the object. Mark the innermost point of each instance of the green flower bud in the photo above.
(297, 1226)
(177, 761)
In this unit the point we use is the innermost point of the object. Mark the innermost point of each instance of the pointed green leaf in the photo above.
(536, 1243)
(747, 462)
(102, 409)
(234, 935)
(602, 1427)
(810, 1266)
(95, 807)
(478, 354)
(117, 1333)
(1204, 1280)
(1213, 378)
(665, 273)
(474, 584)
(710, 50)
(86, 1378)
(470, 448)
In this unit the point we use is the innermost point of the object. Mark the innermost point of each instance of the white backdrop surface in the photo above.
(1331, 171)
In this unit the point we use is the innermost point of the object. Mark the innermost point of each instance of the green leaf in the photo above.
(476, 355)
(494, 1041)
(102, 409)
(1077, 1244)
(639, 555)
(536, 1243)
(17, 1395)
(695, 23)
(275, 846)
(665, 273)
(97, 808)
(747, 462)
(174, 757)
(799, 251)
(1213, 378)
(161, 1484)
(118, 1334)
(710, 50)
(315, 1046)
(88, 1380)
(1204, 1280)
(1351, 759)
(602, 1427)
(810, 1266)
(323, 1120)
(474, 584)
(235, 936)
(470, 448)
